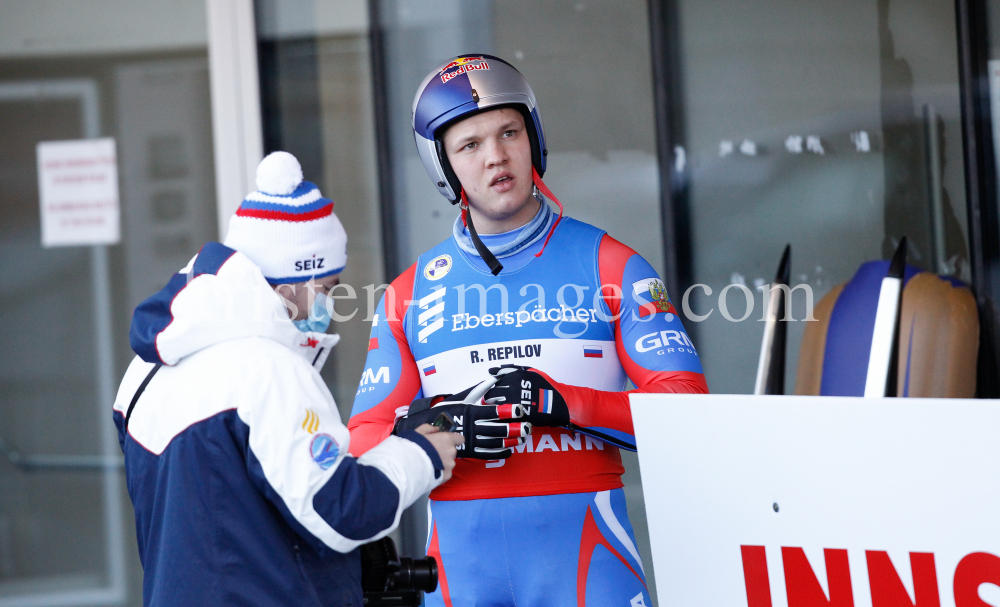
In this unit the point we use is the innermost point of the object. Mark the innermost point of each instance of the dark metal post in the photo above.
(668, 104)
(980, 185)
(412, 532)
(383, 157)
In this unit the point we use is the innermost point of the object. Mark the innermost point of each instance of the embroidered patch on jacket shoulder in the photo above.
(324, 450)
(311, 422)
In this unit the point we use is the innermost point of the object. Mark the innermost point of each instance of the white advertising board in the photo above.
(775, 501)
(78, 192)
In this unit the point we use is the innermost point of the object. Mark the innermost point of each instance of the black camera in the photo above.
(388, 579)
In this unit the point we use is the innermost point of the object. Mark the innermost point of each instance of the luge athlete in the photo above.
(553, 315)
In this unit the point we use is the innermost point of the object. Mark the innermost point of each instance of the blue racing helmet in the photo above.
(459, 88)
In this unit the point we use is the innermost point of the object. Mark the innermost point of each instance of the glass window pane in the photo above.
(316, 95)
(834, 127)
(596, 105)
(136, 72)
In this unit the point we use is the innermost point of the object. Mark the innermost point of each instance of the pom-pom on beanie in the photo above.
(286, 227)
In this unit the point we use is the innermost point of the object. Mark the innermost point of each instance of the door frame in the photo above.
(109, 462)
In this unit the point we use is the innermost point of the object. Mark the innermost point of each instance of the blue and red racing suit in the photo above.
(589, 313)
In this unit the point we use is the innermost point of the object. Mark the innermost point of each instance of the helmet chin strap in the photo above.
(484, 252)
(491, 261)
(548, 194)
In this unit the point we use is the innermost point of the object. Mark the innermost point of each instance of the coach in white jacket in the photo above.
(235, 454)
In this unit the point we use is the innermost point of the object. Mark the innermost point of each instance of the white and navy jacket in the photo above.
(235, 454)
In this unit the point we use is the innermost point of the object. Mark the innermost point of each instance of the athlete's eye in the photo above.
(509, 134)
(470, 146)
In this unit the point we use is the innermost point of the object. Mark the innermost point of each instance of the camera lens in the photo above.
(420, 574)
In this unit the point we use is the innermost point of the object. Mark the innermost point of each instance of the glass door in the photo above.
(58, 377)
(137, 73)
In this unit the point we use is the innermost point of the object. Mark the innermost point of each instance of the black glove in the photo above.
(491, 431)
(524, 386)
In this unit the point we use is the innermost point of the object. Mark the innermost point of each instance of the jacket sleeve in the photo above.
(391, 380)
(651, 342)
(297, 456)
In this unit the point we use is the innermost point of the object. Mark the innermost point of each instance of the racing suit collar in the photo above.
(507, 243)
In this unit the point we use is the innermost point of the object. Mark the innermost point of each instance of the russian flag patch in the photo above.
(429, 368)
(545, 401)
(651, 295)
(593, 351)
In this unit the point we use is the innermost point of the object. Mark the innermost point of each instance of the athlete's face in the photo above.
(491, 155)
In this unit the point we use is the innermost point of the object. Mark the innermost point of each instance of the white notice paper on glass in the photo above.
(78, 192)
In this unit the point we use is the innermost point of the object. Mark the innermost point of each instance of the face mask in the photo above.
(319, 318)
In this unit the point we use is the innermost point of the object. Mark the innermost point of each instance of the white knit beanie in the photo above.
(286, 227)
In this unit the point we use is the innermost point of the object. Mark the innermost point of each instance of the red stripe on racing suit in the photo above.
(595, 408)
(375, 425)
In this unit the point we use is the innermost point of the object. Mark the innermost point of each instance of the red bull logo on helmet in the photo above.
(461, 66)
(459, 62)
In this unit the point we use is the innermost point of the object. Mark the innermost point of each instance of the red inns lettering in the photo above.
(803, 588)
(755, 576)
(975, 569)
(888, 590)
